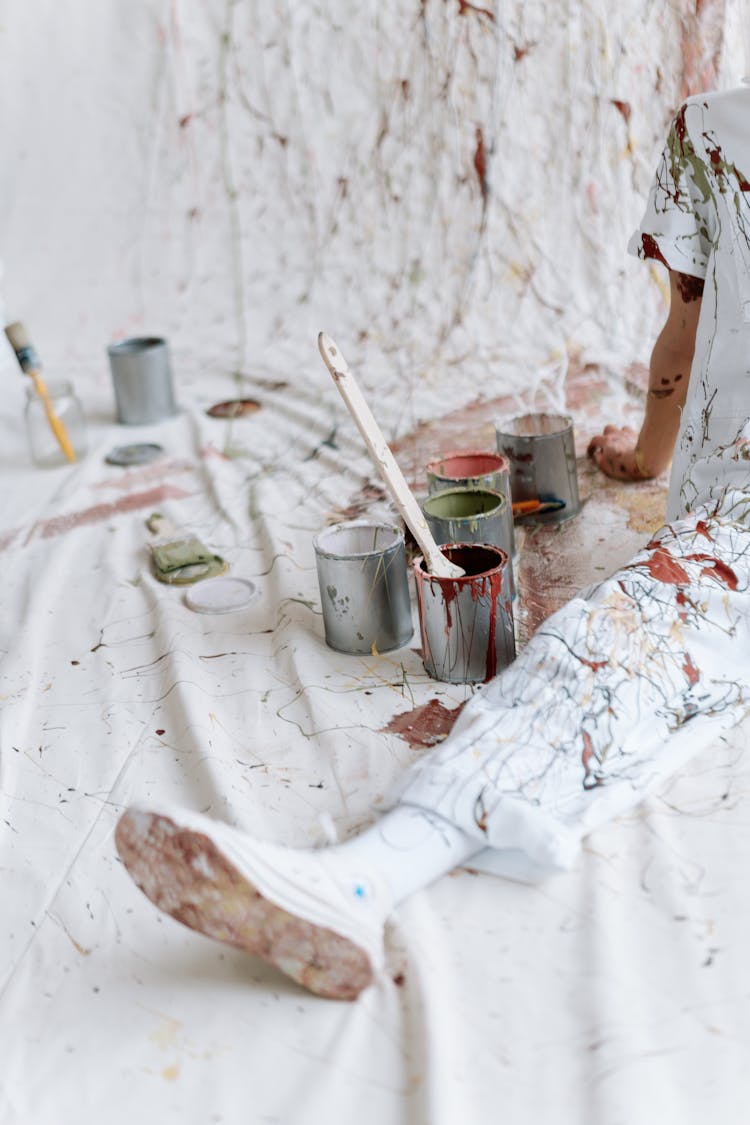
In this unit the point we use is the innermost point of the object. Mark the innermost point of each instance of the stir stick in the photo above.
(385, 462)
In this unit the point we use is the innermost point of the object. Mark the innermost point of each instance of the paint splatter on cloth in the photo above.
(609, 697)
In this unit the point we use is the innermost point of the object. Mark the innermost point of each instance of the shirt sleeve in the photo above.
(678, 223)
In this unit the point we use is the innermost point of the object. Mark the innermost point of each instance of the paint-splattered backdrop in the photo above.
(447, 187)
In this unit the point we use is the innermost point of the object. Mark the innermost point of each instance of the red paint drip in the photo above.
(476, 584)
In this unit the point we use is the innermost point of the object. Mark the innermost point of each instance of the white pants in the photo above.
(612, 694)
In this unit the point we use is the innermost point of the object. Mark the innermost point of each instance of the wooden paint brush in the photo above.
(537, 506)
(437, 563)
(30, 365)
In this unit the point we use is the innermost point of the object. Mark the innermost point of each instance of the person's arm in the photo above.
(621, 453)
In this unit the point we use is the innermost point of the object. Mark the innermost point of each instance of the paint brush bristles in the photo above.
(29, 363)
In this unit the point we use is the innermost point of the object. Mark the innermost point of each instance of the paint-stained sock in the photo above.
(408, 848)
(309, 912)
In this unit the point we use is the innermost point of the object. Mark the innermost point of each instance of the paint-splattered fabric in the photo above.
(697, 222)
(609, 697)
(635, 675)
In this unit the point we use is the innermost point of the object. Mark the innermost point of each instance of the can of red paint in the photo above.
(470, 468)
(466, 623)
(364, 590)
(542, 456)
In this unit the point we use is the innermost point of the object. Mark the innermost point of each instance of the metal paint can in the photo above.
(542, 456)
(142, 380)
(468, 515)
(466, 623)
(470, 468)
(364, 589)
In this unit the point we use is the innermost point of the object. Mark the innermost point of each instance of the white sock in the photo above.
(408, 848)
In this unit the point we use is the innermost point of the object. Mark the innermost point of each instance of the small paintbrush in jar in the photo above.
(29, 362)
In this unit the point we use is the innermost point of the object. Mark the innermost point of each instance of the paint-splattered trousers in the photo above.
(610, 696)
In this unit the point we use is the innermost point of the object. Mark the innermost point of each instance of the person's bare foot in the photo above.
(296, 909)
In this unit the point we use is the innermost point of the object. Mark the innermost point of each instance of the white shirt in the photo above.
(697, 222)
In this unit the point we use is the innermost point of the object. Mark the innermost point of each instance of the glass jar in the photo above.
(43, 444)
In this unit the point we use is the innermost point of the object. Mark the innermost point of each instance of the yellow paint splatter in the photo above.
(660, 284)
(645, 507)
(165, 1035)
(171, 1073)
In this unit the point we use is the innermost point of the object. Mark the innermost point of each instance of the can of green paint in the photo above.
(468, 515)
(471, 468)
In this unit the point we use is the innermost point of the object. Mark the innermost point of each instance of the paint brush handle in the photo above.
(29, 364)
(401, 494)
(56, 423)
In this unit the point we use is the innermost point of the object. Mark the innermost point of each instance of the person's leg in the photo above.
(607, 698)
(610, 697)
(316, 914)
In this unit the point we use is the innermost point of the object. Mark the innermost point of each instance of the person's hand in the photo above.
(614, 452)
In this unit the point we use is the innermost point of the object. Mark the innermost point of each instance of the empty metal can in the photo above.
(364, 590)
(142, 380)
(542, 456)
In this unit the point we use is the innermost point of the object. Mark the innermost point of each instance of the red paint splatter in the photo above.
(210, 450)
(160, 732)
(425, 725)
(692, 673)
(623, 108)
(717, 569)
(664, 568)
(7, 538)
(464, 6)
(151, 498)
(480, 164)
(701, 528)
(123, 482)
(520, 53)
(651, 249)
(594, 665)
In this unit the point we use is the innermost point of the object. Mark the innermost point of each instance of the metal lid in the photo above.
(221, 595)
(141, 453)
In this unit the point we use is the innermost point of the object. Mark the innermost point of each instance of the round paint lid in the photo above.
(234, 408)
(141, 453)
(221, 595)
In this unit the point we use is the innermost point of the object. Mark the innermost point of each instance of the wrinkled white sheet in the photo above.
(238, 176)
(615, 993)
